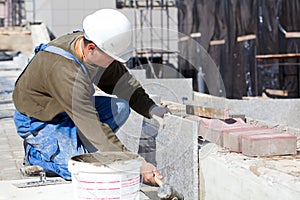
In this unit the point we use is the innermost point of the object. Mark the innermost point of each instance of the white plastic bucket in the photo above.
(106, 175)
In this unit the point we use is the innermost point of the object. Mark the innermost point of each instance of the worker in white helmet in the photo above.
(57, 113)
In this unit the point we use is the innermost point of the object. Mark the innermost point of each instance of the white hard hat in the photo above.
(111, 31)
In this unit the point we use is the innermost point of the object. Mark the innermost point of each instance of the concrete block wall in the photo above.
(231, 176)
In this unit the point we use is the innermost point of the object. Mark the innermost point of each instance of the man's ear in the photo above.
(91, 46)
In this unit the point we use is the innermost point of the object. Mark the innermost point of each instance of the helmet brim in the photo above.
(123, 58)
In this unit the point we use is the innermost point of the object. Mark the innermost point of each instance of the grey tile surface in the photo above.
(177, 155)
(11, 145)
(11, 151)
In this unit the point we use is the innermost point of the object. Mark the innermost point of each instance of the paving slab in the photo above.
(268, 144)
(277, 127)
(232, 140)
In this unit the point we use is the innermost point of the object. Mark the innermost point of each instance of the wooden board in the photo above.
(278, 56)
(292, 34)
(207, 112)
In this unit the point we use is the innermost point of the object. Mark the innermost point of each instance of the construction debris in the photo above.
(238, 136)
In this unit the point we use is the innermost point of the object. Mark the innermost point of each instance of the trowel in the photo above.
(43, 181)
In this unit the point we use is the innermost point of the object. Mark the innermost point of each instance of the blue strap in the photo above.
(62, 52)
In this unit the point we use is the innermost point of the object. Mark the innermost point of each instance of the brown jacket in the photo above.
(52, 84)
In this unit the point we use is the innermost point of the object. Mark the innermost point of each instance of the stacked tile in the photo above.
(237, 136)
(213, 130)
(269, 144)
(233, 139)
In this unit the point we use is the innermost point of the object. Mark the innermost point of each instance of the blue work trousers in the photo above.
(52, 143)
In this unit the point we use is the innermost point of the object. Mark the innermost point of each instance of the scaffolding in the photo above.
(152, 41)
(13, 13)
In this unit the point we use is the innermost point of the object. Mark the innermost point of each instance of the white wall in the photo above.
(64, 16)
(2, 10)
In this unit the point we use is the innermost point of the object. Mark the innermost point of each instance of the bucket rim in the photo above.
(116, 167)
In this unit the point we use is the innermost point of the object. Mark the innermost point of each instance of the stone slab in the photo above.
(177, 154)
(171, 89)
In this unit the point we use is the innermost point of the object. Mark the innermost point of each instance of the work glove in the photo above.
(159, 111)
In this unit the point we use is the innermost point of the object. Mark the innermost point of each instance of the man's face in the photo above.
(97, 57)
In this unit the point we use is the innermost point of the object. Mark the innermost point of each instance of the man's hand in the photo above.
(159, 111)
(148, 172)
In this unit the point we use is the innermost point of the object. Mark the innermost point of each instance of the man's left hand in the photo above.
(159, 111)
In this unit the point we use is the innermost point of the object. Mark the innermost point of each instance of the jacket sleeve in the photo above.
(118, 81)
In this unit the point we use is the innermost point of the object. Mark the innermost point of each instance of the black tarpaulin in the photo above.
(233, 32)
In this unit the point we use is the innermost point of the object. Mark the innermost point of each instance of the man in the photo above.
(58, 115)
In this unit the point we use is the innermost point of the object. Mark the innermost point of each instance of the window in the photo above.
(1, 22)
